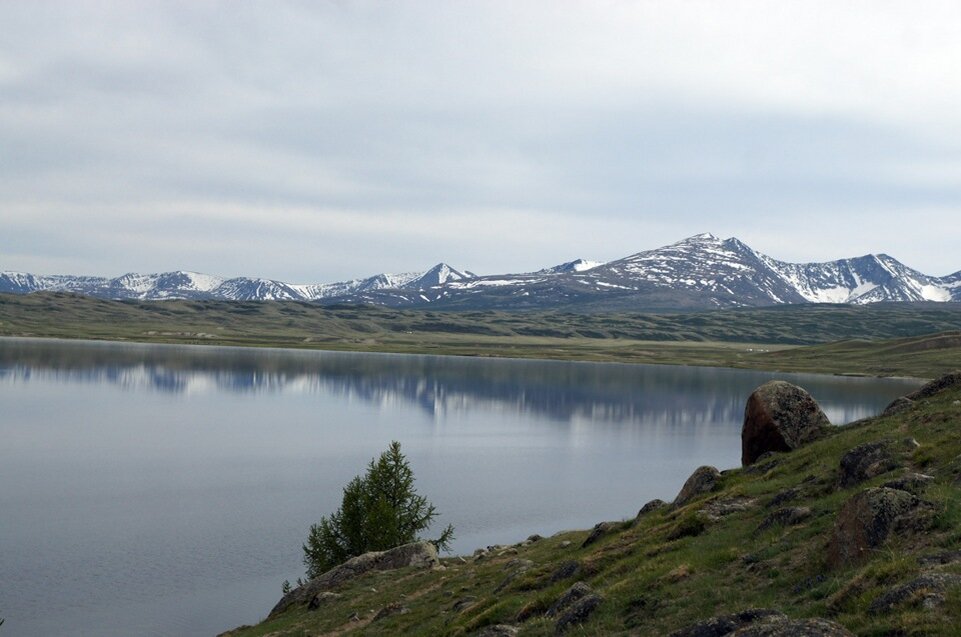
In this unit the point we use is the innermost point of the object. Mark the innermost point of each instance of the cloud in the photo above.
(314, 142)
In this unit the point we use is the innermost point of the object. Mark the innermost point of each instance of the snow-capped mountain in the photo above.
(702, 271)
(192, 285)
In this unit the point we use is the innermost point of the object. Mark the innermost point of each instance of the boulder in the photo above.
(868, 518)
(578, 612)
(789, 516)
(928, 590)
(794, 628)
(779, 416)
(727, 624)
(322, 599)
(416, 554)
(937, 386)
(865, 462)
(897, 406)
(600, 530)
(566, 570)
(717, 509)
(703, 480)
(571, 595)
(912, 483)
(497, 630)
(650, 507)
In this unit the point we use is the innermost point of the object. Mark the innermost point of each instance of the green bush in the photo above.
(378, 512)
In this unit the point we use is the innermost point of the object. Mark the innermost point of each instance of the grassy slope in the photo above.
(734, 338)
(653, 585)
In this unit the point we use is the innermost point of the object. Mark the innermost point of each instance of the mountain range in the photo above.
(699, 272)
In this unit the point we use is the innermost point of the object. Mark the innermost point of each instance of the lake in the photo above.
(166, 490)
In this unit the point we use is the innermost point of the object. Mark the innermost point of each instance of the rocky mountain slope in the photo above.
(699, 272)
(852, 530)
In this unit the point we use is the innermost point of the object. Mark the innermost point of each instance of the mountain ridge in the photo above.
(699, 272)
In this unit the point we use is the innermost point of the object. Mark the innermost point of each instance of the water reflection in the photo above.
(563, 392)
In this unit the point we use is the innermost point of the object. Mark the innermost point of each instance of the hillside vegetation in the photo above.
(760, 539)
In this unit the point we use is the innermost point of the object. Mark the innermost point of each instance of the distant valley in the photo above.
(700, 272)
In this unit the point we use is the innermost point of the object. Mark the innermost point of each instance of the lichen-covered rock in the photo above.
(727, 624)
(789, 516)
(600, 530)
(417, 554)
(650, 507)
(322, 599)
(703, 480)
(578, 612)
(497, 630)
(868, 518)
(717, 509)
(779, 416)
(912, 483)
(898, 405)
(571, 595)
(927, 590)
(937, 386)
(865, 462)
(815, 627)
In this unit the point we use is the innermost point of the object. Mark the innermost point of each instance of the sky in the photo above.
(316, 142)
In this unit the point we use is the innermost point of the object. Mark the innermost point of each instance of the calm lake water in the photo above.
(166, 490)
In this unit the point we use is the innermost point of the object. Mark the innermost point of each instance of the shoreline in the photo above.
(678, 346)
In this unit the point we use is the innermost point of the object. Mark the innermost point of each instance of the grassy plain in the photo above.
(889, 340)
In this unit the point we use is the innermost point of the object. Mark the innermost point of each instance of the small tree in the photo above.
(378, 512)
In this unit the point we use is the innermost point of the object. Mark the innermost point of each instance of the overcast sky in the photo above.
(313, 142)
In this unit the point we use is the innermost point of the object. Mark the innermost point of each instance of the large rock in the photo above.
(815, 627)
(928, 590)
(868, 518)
(727, 624)
(762, 623)
(937, 386)
(865, 462)
(703, 480)
(779, 416)
(418, 554)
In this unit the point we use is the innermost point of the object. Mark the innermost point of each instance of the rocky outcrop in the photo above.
(815, 627)
(417, 554)
(727, 624)
(865, 462)
(897, 406)
(868, 518)
(927, 590)
(789, 516)
(573, 607)
(779, 416)
(937, 386)
(762, 623)
(650, 507)
(600, 530)
(703, 480)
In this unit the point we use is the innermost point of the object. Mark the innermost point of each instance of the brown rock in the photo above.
(779, 416)
(897, 406)
(600, 530)
(867, 519)
(703, 480)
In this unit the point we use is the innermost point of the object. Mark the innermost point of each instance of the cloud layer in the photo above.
(315, 142)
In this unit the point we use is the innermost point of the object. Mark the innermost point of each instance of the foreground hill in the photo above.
(861, 529)
(700, 272)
